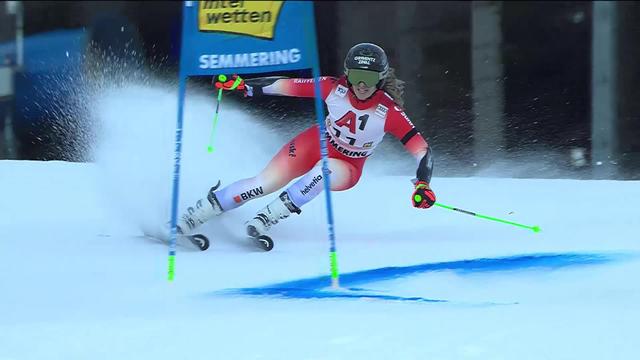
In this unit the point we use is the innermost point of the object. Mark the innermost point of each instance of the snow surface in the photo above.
(79, 281)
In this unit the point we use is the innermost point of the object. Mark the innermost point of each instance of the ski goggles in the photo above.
(368, 77)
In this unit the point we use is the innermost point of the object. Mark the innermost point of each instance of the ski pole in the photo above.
(215, 118)
(533, 228)
(221, 79)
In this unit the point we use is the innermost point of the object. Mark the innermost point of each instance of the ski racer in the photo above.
(363, 105)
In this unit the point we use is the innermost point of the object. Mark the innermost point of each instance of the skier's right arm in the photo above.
(282, 86)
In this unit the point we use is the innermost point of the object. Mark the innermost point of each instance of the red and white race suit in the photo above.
(353, 130)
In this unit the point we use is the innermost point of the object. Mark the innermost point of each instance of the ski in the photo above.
(200, 241)
(262, 241)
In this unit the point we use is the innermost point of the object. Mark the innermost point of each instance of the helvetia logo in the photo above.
(253, 18)
(248, 195)
(313, 183)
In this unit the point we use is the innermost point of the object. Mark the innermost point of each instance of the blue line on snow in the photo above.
(317, 287)
(317, 293)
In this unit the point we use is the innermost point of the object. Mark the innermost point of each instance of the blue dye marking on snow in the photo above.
(325, 294)
(317, 287)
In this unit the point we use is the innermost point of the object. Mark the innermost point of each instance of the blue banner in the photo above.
(225, 37)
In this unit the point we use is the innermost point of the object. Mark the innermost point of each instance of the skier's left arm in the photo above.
(281, 86)
(399, 125)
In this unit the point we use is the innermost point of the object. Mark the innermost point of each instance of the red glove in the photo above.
(228, 84)
(423, 196)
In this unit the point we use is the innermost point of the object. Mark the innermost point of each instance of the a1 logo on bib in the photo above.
(341, 91)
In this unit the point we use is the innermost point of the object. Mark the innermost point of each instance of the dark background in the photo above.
(546, 54)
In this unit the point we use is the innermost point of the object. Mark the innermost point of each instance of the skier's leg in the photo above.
(294, 159)
(343, 175)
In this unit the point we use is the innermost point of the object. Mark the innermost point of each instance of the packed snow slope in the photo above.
(79, 281)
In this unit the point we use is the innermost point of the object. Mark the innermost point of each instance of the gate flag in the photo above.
(239, 36)
(246, 37)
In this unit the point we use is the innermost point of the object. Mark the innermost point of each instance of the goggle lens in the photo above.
(368, 77)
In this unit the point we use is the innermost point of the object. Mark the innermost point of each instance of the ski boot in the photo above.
(277, 210)
(198, 240)
(203, 211)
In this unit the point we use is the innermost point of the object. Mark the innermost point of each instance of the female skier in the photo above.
(363, 105)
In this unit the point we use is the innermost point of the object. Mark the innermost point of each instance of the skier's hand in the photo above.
(423, 197)
(234, 83)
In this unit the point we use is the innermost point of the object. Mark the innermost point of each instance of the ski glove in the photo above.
(423, 196)
(230, 84)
